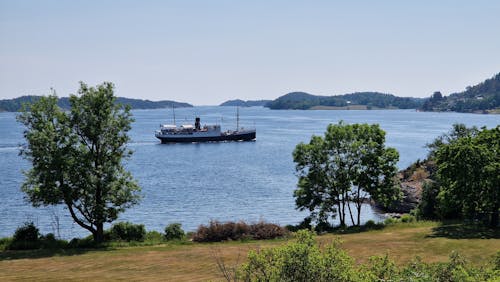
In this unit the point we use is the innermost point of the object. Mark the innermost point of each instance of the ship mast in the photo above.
(173, 112)
(237, 118)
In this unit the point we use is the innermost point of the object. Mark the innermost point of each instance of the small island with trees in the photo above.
(247, 103)
(357, 101)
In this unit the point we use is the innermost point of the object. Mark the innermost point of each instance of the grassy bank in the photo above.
(196, 262)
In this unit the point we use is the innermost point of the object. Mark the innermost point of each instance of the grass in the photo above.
(196, 262)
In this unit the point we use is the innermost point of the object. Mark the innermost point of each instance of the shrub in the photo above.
(5, 243)
(49, 241)
(304, 224)
(428, 206)
(174, 232)
(154, 237)
(263, 231)
(87, 242)
(407, 218)
(217, 231)
(27, 232)
(302, 260)
(26, 237)
(127, 231)
(390, 220)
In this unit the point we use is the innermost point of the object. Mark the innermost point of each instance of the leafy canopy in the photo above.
(469, 175)
(77, 156)
(343, 169)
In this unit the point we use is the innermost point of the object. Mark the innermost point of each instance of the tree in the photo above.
(77, 157)
(349, 165)
(468, 172)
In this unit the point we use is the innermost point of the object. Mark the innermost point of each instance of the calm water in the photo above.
(194, 183)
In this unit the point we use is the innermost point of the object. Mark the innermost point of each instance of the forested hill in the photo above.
(481, 98)
(248, 103)
(370, 100)
(15, 105)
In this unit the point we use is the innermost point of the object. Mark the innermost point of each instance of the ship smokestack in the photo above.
(197, 123)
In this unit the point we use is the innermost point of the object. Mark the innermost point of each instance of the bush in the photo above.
(302, 260)
(304, 224)
(126, 231)
(174, 232)
(407, 218)
(154, 237)
(49, 241)
(263, 231)
(390, 220)
(217, 231)
(26, 237)
(428, 206)
(5, 243)
(87, 242)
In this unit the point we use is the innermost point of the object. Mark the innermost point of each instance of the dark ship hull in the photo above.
(233, 136)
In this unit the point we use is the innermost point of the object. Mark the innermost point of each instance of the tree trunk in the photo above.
(99, 233)
(359, 204)
(341, 214)
(350, 213)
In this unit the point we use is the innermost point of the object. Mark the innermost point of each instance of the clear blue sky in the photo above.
(205, 52)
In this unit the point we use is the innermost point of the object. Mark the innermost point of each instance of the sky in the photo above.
(207, 52)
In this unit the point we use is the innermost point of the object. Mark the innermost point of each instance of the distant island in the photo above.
(481, 98)
(248, 103)
(354, 101)
(15, 105)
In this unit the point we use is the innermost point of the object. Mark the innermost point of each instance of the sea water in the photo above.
(198, 182)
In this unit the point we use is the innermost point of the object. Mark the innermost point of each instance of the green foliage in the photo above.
(350, 164)
(299, 261)
(479, 98)
(304, 101)
(217, 231)
(5, 243)
(49, 241)
(77, 156)
(370, 224)
(426, 208)
(247, 103)
(26, 237)
(406, 218)
(83, 243)
(27, 232)
(127, 231)
(465, 184)
(390, 220)
(381, 268)
(174, 232)
(468, 173)
(154, 237)
(16, 104)
(304, 260)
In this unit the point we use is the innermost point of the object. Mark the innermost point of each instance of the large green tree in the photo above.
(343, 169)
(77, 156)
(469, 175)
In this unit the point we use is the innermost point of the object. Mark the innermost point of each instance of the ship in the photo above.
(188, 133)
